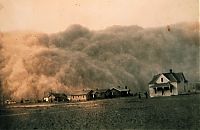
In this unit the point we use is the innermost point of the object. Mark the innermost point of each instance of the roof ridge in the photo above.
(171, 76)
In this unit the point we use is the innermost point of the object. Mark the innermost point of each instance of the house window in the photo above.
(161, 79)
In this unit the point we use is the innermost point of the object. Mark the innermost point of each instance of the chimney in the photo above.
(170, 71)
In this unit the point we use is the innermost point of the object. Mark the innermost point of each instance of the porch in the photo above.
(163, 89)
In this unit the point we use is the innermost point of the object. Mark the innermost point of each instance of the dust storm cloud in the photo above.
(78, 58)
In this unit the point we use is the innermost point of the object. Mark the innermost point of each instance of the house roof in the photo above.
(77, 93)
(154, 79)
(180, 77)
(121, 89)
(172, 77)
(100, 91)
(58, 94)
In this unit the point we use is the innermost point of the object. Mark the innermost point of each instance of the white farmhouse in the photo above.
(167, 84)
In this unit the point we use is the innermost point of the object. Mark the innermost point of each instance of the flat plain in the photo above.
(175, 112)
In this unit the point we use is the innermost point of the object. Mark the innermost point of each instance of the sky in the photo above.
(56, 15)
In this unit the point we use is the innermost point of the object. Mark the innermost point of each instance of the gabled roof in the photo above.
(172, 77)
(57, 95)
(155, 77)
(100, 91)
(121, 89)
(179, 77)
(77, 93)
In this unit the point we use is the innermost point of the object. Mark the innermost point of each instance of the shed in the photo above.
(56, 97)
(84, 95)
(101, 94)
(120, 92)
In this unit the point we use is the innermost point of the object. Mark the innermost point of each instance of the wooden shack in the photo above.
(101, 94)
(83, 95)
(56, 97)
(120, 92)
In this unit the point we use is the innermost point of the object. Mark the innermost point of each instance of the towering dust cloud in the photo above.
(78, 58)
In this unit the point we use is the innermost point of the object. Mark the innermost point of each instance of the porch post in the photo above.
(162, 90)
(156, 90)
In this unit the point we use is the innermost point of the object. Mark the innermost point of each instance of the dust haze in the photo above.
(33, 63)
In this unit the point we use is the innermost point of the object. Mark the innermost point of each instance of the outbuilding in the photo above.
(120, 92)
(56, 97)
(84, 95)
(101, 94)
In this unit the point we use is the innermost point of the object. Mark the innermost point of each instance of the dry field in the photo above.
(176, 112)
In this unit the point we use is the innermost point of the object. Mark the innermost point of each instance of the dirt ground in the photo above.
(176, 112)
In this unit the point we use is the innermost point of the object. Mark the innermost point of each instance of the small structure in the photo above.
(84, 95)
(101, 94)
(56, 97)
(120, 92)
(167, 84)
(194, 87)
(28, 100)
(10, 101)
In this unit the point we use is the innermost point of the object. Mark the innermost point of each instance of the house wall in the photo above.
(166, 92)
(182, 88)
(62, 99)
(151, 92)
(115, 93)
(51, 98)
(175, 89)
(100, 95)
(159, 93)
(78, 98)
(46, 99)
(125, 93)
(165, 80)
(108, 94)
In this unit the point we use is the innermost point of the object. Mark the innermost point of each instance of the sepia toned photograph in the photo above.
(99, 65)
